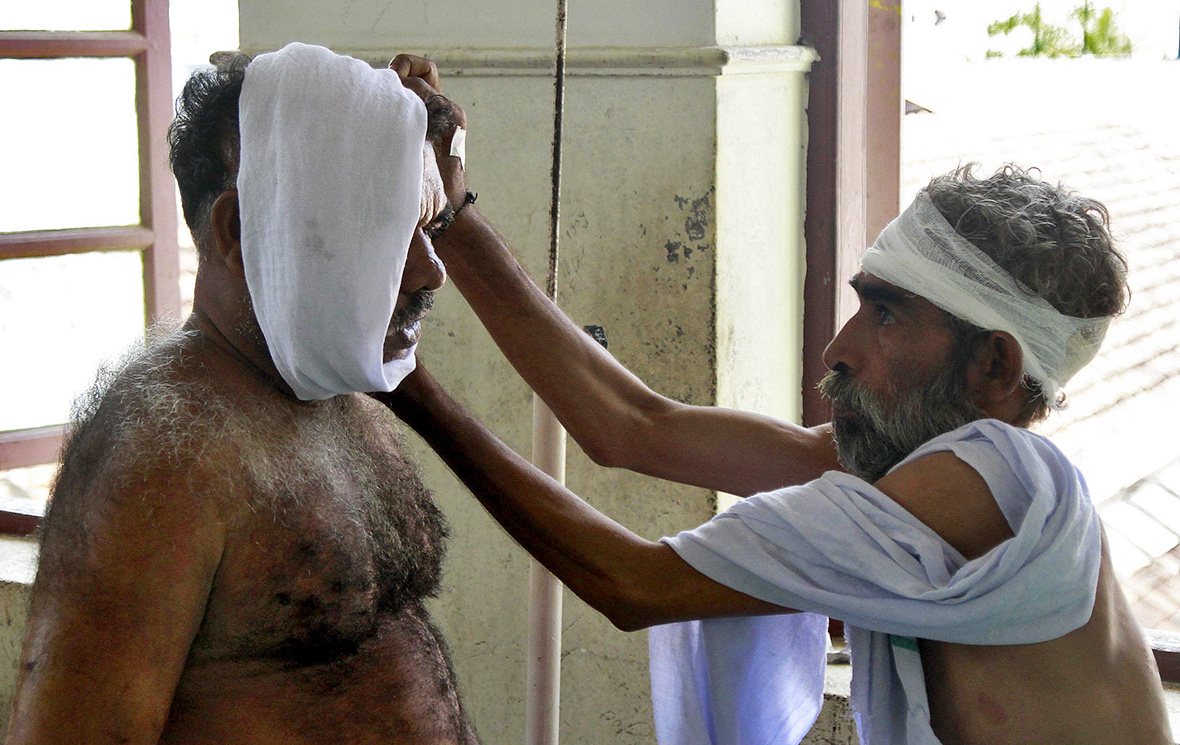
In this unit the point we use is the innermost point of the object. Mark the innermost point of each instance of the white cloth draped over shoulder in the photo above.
(330, 190)
(839, 547)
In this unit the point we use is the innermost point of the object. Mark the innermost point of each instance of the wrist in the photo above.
(469, 197)
(463, 218)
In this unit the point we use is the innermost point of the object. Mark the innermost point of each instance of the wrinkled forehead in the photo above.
(434, 198)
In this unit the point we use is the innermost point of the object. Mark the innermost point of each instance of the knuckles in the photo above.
(442, 118)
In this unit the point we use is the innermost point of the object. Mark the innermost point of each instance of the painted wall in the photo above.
(682, 217)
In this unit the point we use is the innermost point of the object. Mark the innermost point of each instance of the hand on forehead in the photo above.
(445, 130)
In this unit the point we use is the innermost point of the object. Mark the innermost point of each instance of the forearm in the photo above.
(588, 390)
(612, 414)
(586, 550)
(617, 420)
(634, 582)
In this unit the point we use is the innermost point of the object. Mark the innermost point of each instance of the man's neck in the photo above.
(251, 358)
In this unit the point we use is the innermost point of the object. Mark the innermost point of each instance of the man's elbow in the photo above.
(631, 609)
(607, 452)
(629, 620)
(632, 440)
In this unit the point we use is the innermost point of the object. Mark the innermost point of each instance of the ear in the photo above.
(997, 372)
(225, 226)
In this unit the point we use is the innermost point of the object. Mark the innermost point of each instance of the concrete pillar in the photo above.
(682, 217)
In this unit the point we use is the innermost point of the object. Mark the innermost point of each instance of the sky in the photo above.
(944, 65)
(1152, 25)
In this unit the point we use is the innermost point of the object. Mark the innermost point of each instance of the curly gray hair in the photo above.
(1056, 244)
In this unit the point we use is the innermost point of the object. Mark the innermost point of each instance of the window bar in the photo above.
(157, 195)
(148, 43)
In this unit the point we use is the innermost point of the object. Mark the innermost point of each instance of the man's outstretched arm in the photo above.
(634, 582)
(611, 413)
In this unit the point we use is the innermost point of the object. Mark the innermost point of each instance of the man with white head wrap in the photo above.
(238, 548)
(960, 547)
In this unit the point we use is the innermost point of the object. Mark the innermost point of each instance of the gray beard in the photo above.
(873, 435)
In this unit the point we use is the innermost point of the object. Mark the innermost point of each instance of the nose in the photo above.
(423, 270)
(838, 354)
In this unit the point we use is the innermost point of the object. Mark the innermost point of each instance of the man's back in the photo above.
(1096, 684)
(225, 563)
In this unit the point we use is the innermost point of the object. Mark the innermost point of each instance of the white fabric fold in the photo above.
(738, 680)
(839, 547)
(329, 188)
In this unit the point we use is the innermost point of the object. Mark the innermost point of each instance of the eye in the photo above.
(885, 316)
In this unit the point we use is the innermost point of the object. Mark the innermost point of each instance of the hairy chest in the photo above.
(336, 535)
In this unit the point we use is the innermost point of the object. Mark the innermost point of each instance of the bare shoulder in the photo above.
(141, 452)
(130, 547)
(952, 499)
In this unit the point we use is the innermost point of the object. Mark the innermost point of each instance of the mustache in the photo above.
(838, 387)
(417, 306)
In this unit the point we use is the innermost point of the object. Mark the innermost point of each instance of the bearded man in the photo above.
(238, 548)
(960, 549)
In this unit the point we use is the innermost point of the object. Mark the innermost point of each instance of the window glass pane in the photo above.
(60, 318)
(65, 15)
(69, 152)
(26, 490)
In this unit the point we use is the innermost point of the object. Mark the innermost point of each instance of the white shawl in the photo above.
(840, 547)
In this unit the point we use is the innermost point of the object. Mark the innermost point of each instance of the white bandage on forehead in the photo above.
(920, 252)
(330, 189)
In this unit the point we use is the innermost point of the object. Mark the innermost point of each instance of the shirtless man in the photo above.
(226, 563)
(903, 371)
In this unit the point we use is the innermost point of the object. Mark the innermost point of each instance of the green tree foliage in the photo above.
(1100, 34)
(1048, 40)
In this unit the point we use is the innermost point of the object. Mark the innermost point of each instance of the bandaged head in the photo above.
(920, 252)
(329, 189)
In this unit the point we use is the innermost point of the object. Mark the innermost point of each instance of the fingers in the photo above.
(443, 116)
(231, 61)
(408, 67)
(443, 119)
(420, 87)
(420, 75)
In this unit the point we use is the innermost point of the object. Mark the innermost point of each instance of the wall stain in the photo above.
(696, 228)
(894, 8)
(696, 223)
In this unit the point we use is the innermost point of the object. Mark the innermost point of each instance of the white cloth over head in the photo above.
(330, 189)
(921, 252)
(840, 547)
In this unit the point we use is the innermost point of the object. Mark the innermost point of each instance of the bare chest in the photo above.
(397, 689)
(337, 534)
